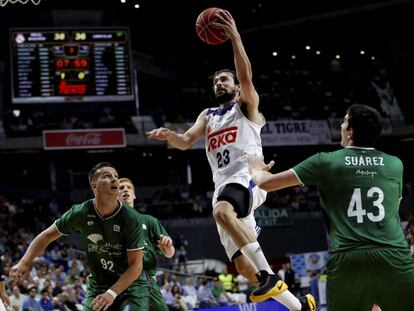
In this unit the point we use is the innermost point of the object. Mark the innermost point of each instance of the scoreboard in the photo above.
(60, 65)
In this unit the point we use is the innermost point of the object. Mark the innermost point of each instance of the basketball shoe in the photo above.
(308, 303)
(269, 285)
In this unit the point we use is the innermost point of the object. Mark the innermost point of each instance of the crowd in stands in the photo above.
(191, 292)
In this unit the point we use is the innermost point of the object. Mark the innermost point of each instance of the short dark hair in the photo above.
(32, 288)
(92, 172)
(232, 72)
(366, 123)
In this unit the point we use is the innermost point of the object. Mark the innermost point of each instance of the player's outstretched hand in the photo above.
(18, 271)
(164, 242)
(258, 169)
(102, 302)
(256, 163)
(161, 133)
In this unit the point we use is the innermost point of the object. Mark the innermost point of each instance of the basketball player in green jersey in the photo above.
(360, 189)
(112, 234)
(156, 239)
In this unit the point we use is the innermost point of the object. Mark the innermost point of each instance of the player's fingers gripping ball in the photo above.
(206, 30)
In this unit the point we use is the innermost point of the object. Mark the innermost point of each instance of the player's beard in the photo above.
(225, 97)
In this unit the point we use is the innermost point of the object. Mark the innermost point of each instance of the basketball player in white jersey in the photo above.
(232, 132)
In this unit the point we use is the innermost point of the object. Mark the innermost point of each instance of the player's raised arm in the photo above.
(248, 94)
(181, 141)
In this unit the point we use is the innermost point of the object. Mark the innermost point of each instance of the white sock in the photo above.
(253, 252)
(287, 299)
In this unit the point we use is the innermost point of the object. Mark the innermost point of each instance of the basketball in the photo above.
(205, 29)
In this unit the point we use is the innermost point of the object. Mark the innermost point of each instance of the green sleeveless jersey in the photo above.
(106, 240)
(360, 190)
(152, 229)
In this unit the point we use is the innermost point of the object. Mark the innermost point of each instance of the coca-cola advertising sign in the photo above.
(84, 139)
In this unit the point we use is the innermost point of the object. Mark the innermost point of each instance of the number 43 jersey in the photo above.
(230, 137)
(360, 190)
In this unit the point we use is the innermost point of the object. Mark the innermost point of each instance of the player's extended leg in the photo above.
(233, 212)
(234, 202)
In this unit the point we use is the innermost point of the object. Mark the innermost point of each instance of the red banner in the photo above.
(84, 139)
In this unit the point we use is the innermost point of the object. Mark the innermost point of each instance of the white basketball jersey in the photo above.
(230, 138)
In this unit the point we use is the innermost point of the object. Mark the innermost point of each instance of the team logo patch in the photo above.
(117, 228)
(95, 237)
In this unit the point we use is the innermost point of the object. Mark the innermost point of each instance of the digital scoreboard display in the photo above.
(53, 66)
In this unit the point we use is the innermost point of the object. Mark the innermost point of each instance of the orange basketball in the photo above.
(206, 31)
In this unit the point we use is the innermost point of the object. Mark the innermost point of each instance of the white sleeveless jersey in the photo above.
(230, 138)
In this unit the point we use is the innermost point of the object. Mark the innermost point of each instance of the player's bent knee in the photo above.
(223, 212)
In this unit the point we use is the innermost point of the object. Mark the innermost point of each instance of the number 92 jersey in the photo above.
(106, 239)
(360, 190)
(229, 138)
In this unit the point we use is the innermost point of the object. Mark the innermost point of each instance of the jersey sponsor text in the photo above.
(222, 137)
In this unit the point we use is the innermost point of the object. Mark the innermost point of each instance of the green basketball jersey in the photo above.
(152, 229)
(106, 240)
(360, 190)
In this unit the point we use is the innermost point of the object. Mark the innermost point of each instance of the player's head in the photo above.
(126, 191)
(361, 127)
(104, 176)
(225, 85)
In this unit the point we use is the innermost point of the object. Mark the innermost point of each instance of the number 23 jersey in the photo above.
(229, 138)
